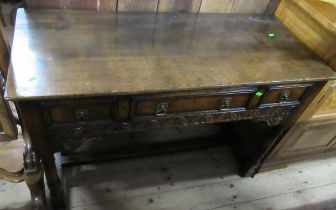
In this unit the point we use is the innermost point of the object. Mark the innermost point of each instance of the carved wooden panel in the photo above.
(67, 137)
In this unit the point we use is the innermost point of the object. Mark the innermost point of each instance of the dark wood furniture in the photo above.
(76, 75)
(18, 161)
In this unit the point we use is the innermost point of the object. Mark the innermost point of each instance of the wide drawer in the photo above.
(191, 102)
(284, 93)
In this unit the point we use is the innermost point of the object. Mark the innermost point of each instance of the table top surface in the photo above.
(61, 54)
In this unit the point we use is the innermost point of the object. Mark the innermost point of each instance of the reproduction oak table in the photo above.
(77, 74)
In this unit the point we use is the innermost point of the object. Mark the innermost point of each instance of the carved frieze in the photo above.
(66, 137)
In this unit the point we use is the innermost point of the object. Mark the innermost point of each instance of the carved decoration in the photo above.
(273, 121)
(68, 137)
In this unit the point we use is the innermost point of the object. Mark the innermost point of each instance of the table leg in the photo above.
(54, 184)
(34, 178)
(34, 133)
(37, 192)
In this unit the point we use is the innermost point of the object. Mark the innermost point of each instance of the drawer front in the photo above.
(281, 94)
(189, 102)
(195, 102)
(79, 112)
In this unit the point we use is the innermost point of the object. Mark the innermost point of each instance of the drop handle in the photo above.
(82, 115)
(225, 104)
(161, 109)
(284, 96)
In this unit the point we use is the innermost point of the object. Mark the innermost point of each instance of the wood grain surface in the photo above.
(137, 5)
(205, 178)
(194, 6)
(107, 5)
(11, 156)
(216, 6)
(313, 22)
(82, 53)
(179, 6)
(252, 6)
(327, 109)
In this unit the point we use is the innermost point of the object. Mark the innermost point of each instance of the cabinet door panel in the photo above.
(310, 139)
(319, 137)
(327, 110)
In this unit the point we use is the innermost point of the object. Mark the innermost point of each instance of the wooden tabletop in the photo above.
(59, 53)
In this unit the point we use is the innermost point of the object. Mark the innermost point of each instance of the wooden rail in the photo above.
(195, 6)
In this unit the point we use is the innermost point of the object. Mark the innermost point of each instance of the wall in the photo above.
(204, 6)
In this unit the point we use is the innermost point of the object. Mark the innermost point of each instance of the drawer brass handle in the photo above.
(226, 103)
(82, 115)
(78, 131)
(284, 96)
(161, 109)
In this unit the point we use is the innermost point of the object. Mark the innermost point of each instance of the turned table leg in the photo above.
(54, 184)
(34, 177)
(34, 132)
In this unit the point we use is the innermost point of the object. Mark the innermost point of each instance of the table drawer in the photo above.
(284, 93)
(79, 112)
(191, 102)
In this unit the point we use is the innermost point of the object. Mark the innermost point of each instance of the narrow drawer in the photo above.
(192, 102)
(284, 93)
(79, 112)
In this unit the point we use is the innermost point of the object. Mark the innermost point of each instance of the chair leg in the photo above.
(34, 178)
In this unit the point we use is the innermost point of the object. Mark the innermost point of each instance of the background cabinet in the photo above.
(327, 109)
(314, 134)
(309, 139)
